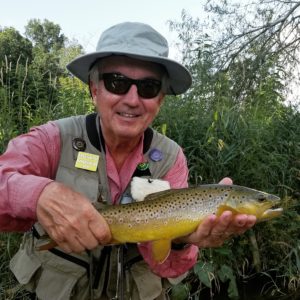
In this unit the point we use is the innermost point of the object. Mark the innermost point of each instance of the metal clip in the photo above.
(120, 275)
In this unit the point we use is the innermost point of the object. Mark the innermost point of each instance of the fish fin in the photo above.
(223, 208)
(161, 250)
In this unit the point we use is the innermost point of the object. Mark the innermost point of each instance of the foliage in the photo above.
(33, 87)
(9, 290)
(14, 48)
(271, 25)
(45, 35)
(234, 122)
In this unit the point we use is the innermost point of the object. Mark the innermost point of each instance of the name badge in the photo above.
(87, 161)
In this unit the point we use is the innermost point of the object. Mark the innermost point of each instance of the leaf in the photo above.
(164, 129)
(225, 274)
(204, 271)
(180, 292)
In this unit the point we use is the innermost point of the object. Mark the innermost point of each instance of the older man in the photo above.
(54, 178)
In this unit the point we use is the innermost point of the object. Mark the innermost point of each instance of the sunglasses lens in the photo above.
(116, 84)
(149, 88)
(120, 85)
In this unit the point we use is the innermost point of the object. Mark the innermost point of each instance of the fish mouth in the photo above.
(265, 210)
(270, 214)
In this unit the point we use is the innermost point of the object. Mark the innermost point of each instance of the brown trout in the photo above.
(167, 215)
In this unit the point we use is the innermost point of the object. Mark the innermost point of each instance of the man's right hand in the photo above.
(70, 219)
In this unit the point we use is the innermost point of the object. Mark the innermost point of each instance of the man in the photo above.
(55, 176)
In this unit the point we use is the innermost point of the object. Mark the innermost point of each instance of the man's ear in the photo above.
(93, 91)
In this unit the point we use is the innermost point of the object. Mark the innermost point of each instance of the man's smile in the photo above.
(128, 115)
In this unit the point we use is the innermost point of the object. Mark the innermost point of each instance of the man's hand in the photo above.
(70, 219)
(214, 231)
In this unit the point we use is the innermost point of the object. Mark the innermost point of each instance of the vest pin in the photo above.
(78, 144)
(156, 155)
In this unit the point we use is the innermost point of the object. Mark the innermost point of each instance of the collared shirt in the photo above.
(30, 163)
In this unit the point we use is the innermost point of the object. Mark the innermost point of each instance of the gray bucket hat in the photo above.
(139, 41)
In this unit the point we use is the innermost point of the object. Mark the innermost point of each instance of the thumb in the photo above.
(226, 181)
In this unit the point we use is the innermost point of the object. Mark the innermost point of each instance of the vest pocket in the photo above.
(48, 275)
(148, 284)
(56, 285)
(58, 278)
(24, 265)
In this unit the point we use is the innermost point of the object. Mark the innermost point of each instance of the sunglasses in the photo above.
(119, 84)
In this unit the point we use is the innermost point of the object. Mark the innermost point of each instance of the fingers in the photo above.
(226, 181)
(101, 233)
(70, 219)
(222, 225)
(242, 223)
(214, 231)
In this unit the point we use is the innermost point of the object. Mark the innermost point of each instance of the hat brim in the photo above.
(179, 77)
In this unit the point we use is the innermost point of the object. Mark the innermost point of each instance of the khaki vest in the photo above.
(60, 276)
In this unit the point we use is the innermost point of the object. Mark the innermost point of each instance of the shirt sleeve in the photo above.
(179, 261)
(26, 167)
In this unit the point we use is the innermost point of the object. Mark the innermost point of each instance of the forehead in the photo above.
(124, 63)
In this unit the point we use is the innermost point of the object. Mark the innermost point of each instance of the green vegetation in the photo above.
(234, 122)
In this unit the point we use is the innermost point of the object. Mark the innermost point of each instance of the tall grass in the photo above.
(257, 146)
(26, 102)
(9, 289)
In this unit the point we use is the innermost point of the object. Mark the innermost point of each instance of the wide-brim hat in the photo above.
(139, 41)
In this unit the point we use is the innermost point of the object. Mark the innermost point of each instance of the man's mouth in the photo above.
(128, 115)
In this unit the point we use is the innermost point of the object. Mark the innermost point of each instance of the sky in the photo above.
(85, 20)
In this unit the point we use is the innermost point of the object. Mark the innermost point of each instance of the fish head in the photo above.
(243, 200)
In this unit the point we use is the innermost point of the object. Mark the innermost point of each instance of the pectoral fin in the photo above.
(223, 208)
(161, 250)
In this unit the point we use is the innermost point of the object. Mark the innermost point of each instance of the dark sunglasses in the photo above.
(119, 84)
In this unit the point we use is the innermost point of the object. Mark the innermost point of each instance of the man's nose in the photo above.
(132, 97)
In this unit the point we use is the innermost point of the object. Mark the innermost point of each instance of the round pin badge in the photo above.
(78, 144)
(143, 166)
(155, 155)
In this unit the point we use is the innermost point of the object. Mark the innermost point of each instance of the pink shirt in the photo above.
(30, 163)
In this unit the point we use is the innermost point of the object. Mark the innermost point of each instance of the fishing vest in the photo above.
(57, 275)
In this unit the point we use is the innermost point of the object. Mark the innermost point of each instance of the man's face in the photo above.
(124, 117)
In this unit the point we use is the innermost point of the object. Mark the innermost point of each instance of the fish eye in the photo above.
(261, 198)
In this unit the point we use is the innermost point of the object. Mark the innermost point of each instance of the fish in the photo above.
(166, 215)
